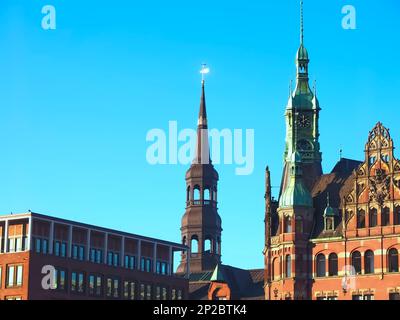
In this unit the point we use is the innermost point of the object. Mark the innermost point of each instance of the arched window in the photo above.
(194, 245)
(207, 195)
(369, 262)
(288, 225)
(321, 265)
(299, 225)
(361, 219)
(215, 195)
(372, 160)
(356, 261)
(218, 246)
(188, 194)
(275, 269)
(385, 158)
(333, 264)
(385, 216)
(288, 266)
(373, 217)
(207, 245)
(397, 215)
(393, 257)
(184, 241)
(196, 193)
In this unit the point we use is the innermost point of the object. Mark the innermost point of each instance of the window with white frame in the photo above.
(14, 276)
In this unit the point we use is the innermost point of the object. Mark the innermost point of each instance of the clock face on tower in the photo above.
(304, 121)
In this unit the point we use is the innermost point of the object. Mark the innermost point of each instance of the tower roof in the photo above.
(303, 97)
(295, 193)
(203, 112)
(218, 275)
(202, 147)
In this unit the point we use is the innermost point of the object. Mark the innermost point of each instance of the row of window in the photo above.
(96, 256)
(14, 276)
(15, 244)
(373, 217)
(392, 296)
(356, 262)
(97, 285)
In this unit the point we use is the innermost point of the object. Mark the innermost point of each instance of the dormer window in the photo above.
(329, 216)
(329, 223)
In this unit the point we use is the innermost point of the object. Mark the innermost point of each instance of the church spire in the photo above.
(202, 148)
(201, 224)
(202, 123)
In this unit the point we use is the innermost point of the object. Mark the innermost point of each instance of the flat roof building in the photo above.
(43, 257)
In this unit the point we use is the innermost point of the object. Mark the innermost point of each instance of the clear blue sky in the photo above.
(76, 103)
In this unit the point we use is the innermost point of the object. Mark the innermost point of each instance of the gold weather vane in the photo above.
(204, 70)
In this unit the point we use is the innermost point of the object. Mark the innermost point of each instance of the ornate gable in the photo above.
(377, 180)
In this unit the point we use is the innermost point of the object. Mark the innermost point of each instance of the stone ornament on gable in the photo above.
(380, 187)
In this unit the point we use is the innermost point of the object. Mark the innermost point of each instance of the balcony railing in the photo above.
(201, 203)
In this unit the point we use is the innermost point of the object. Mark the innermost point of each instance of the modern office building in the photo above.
(42, 257)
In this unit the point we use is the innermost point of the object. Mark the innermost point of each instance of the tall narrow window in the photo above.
(356, 261)
(373, 217)
(361, 219)
(321, 265)
(207, 245)
(299, 225)
(369, 262)
(385, 216)
(57, 247)
(288, 266)
(333, 264)
(10, 276)
(91, 284)
(397, 215)
(393, 258)
(109, 287)
(207, 194)
(63, 249)
(288, 225)
(194, 245)
(73, 281)
(275, 269)
(196, 193)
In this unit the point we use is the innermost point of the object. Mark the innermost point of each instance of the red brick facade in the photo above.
(358, 258)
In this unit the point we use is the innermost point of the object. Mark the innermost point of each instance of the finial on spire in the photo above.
(341, 154)
(327, 200)
(204, 70)
(301, 22)
(315, 87)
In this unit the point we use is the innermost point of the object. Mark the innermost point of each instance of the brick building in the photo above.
(90, 262)
(331, 236)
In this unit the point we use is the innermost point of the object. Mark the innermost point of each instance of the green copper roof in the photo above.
(302, 53)
(217, 275)
(295, 194)
(329, 211)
